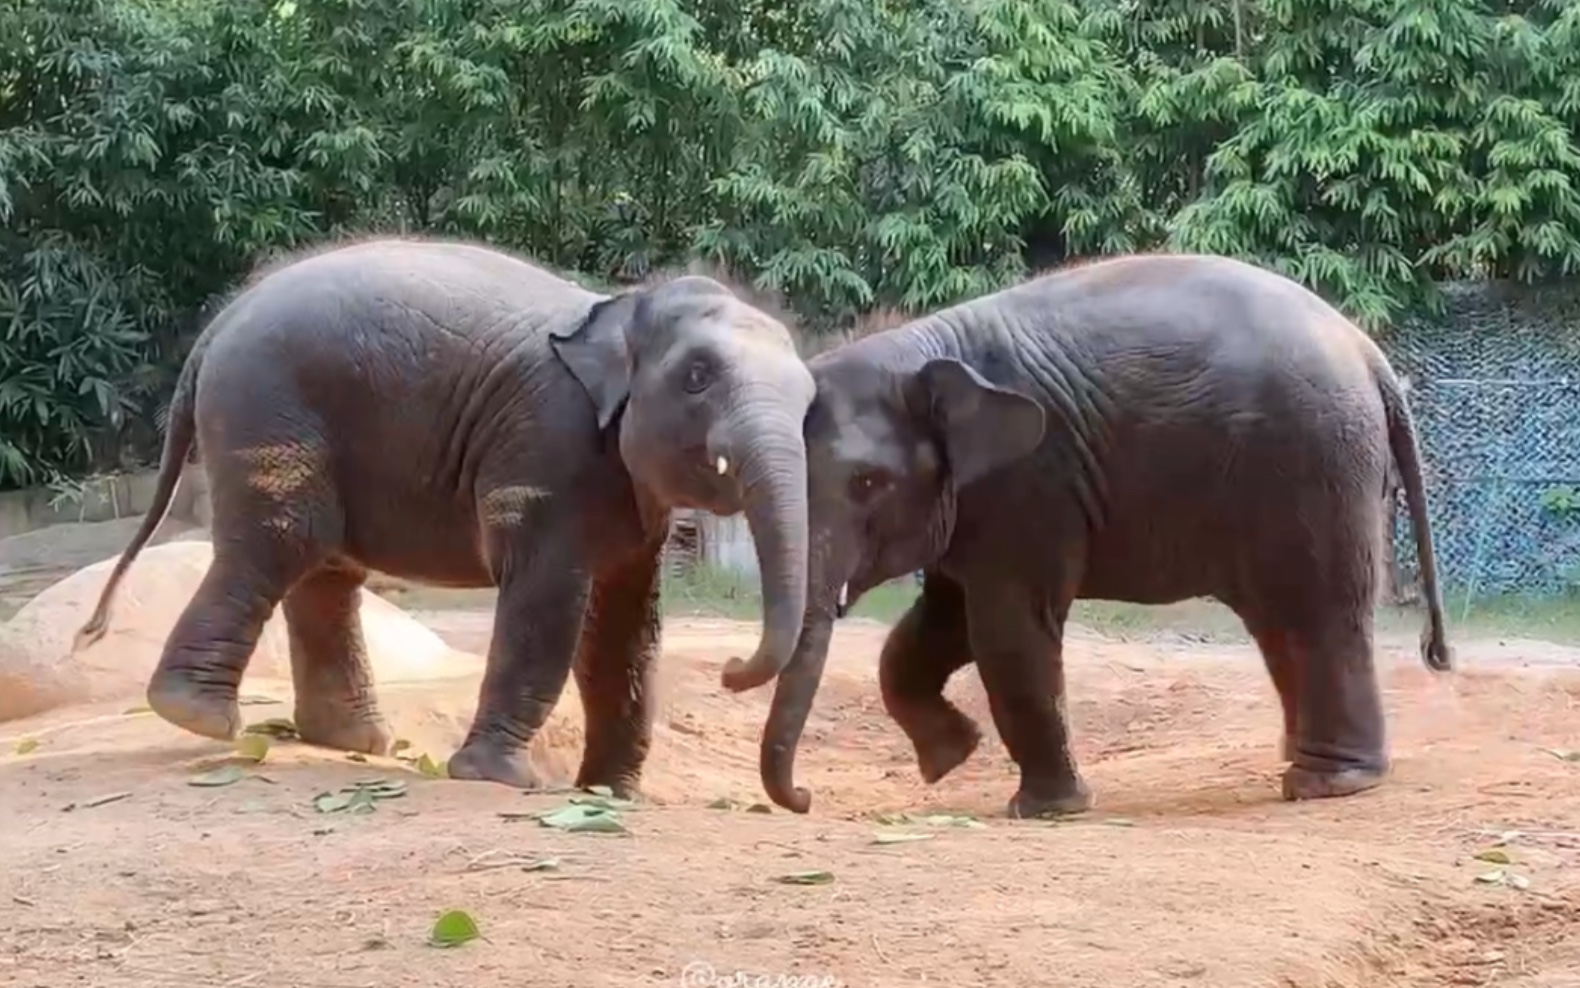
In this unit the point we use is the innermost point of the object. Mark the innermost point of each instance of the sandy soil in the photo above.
(1190, 872)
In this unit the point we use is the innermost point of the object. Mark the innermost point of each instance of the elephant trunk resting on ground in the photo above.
(1144, 429)
(450, 414)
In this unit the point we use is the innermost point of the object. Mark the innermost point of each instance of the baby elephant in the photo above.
(1144, 429)
(450, 414)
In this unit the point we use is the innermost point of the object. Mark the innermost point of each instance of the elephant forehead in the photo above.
(860, 431)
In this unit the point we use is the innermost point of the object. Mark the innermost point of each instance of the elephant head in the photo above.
(891, 439)
(710, 395)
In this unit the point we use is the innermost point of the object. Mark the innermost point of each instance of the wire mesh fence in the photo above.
(1495, 390)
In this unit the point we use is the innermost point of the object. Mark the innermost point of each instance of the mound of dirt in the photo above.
(38, 671)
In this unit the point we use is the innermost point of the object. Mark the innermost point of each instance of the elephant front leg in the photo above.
(614, 673)
(543, 592)
(1018, 641)
(926, 647)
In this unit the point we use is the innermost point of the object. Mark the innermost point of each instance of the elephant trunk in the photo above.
(793, 698)
(773, 485)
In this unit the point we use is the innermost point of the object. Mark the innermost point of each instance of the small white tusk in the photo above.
(722, 465)
(844, 594)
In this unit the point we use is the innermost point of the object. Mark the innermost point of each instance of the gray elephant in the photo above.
(450, 414)
(1145, 429)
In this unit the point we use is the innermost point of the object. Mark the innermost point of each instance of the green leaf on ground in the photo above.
(1501, 876)
(362, 796)
(27, 746)
(453, 929)
(759, 808)
(223, 776)
(401, 744)
(600, 791)
(606, 802)
(806, 878)
(1494, 856)
(279, 728)
(580, 818)
(332, 802)
(356, 756)
(1562, 755)
(132, 711)
(930, 820)
(254, 747)
(723, 804)
(544, 864)
(256, 700)
(892, 838)
(434, 770)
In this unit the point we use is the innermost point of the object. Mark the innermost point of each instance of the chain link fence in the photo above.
(1495, 390)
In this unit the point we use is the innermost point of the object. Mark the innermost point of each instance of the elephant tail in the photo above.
(180, 432)
(1435, 652)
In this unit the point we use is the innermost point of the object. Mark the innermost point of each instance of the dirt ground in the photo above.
(1190, 872)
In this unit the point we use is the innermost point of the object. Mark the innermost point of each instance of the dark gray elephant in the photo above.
(450, 414)
(1144, 429)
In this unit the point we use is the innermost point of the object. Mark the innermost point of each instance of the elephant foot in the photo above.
(1065, 797)
(207, 711)
(1302, 782)
(946, 746)
(492, 761)
(344, 730)
(624, 785)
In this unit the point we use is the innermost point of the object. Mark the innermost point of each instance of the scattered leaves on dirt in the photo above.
(723, 803)
(453, 928)
(1562, 755)
(253, 747)
(603, 801)
(362, 796)
(1494, 856)
(432, 769)
(759, 808)
(584, 818)
(401, 744)
(893, 838)
(356, 756)
(806, 878)
(1501, 876)
(279, 728)
(931, 820)
(140, 709)
(256, 700)
(225, 775)
(88, 804)
(27, 746)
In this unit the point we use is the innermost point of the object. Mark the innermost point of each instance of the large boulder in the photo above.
(39, 672)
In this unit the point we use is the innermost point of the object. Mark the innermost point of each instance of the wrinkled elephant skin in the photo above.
(450, 414)
(1144, 429)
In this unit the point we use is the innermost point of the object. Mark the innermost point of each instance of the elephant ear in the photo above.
(597, 353)
(983, 426)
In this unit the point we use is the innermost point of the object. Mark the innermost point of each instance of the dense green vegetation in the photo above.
(848, 154)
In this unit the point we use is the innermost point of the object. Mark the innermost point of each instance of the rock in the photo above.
(38, 672)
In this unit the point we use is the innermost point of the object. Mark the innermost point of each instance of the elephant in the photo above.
(1147, 429)
(448, 413)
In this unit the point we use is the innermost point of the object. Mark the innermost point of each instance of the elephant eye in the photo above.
(868, 484)
(698, 376)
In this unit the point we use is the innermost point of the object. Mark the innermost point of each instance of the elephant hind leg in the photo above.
(267, 535)
(1283, 665)
(927, 646)
(195, 684)
(336, 705)
(1340, 732)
